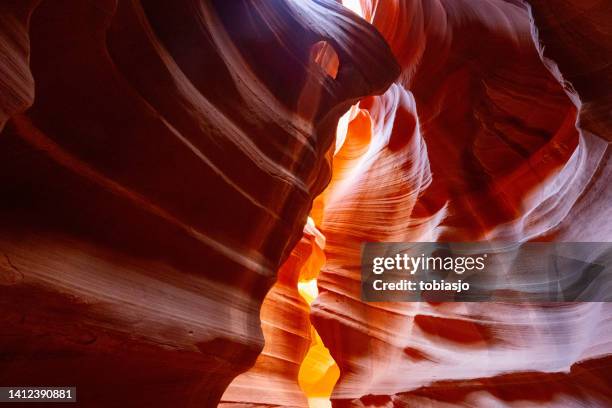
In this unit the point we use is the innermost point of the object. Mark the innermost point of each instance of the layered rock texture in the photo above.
(483, 137)
(159, 162)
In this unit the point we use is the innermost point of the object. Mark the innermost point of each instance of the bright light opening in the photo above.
(354, 6)
(318, 372)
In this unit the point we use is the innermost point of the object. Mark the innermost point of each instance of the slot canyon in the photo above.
(185, 188)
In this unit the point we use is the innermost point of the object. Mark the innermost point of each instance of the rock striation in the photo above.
(481, 138)
(158, 162)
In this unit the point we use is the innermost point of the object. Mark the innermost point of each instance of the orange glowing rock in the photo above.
(294, 366)
(477, 140)
(285, 321)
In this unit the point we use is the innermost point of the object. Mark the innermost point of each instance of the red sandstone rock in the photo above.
(162, 174)
(488, 149)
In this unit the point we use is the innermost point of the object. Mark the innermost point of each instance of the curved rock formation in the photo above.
(163, 172)
(476, 141)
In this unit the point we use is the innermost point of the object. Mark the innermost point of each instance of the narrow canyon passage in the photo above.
(397, 176)
(186, 186)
